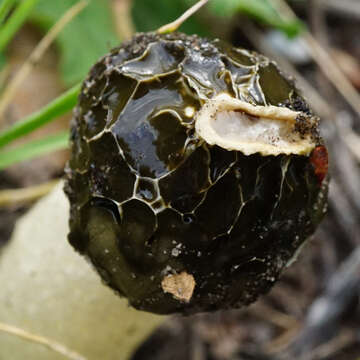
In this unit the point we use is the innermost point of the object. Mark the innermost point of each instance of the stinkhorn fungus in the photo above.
(197, 172)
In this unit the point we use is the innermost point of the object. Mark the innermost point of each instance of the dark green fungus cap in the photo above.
(174, 217)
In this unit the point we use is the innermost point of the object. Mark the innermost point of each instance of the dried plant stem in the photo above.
(341, 289)
(51, 344)
(280, 342)
(332, 347)
(318, 103)
(4, 73)
(324, 60)
(334, 74)
(173, 26)
(122, 14)
(276, 317)
(37, 53)
(352, 141)
(15, 196)
(347, 7)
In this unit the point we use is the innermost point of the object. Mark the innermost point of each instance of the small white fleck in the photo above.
(167, 270)
(175, 252)
(189, 111)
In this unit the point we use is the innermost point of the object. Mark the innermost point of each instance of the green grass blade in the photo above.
(33, 149)
(57, 107)
(5, 7)
(261, 10)
(16, 20)
(83, 41)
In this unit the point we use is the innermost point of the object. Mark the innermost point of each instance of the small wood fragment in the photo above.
(181, 286)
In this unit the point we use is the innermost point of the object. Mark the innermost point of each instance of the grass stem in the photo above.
(57, 107)
(33, 149)
(16, 20)
(5, 8)
(37, 53)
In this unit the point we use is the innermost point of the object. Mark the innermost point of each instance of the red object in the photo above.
(319, 160)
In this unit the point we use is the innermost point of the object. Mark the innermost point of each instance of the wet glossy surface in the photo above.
(150, 198)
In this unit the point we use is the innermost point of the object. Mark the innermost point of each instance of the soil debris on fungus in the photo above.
(181, 286)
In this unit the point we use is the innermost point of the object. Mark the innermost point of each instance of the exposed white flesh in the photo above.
(234, 124)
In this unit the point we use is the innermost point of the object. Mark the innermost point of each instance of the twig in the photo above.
(274, 316)
(345, 338)
(347, 7)
(122, 14)
(344, 136)
(318, 103)
(334, 74)
(4, 73)
(197, 348)
(281, 342)
(349, 64)
(317, 21)
(173, 26)
(37, 53)
(324, 60)
(51, 344)
(325, 311)
(15, 196)
(352, 140)
(288, 323)
(344, 212)
(343, 162)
